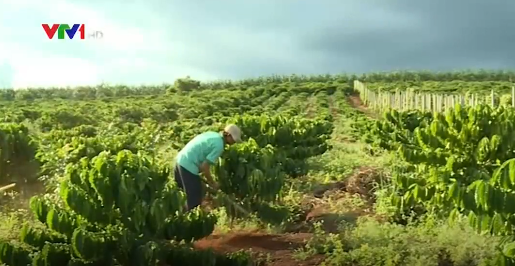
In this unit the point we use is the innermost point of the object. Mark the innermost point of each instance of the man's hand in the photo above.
(214, 185)
(205, 168)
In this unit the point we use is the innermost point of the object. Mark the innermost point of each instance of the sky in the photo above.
(158, 41)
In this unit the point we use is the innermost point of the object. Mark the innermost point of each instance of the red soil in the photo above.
(356, 102)
(279, 248)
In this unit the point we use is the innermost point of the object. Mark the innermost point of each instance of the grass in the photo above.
(370, 242)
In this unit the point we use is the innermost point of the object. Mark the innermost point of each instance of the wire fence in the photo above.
(409, 99)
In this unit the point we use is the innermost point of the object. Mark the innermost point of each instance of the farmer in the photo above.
(197, 157)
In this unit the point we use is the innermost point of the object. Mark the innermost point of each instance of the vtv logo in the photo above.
(61, 29)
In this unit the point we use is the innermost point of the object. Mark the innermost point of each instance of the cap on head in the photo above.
(234, 131)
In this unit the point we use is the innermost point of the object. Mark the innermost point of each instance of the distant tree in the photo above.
(186, 84)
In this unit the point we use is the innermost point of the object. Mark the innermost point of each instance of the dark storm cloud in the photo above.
(444, 35)
(229, 39)
(359, 36)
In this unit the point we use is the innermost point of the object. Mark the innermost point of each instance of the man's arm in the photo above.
(205, 168)
(212, 157)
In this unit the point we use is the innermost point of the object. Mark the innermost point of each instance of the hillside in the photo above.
(326, 178)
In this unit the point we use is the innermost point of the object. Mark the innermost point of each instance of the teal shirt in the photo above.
(207, 146)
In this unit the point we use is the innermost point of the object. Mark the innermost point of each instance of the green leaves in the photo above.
(250, 174)
(14, 254)
(463, 163)
(297, 138)
(113, 207)
(17, 147)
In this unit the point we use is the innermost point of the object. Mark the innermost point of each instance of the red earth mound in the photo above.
(278, 248)
(356, 102)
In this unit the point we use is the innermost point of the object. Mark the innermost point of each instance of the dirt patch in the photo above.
(361, 182)
(278, 248)
(330, 221)
(356, 103)
(19, 196)
(345, 201)
(311, 107)
(332, 108)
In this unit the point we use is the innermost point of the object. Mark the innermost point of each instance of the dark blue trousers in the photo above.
(191, 184)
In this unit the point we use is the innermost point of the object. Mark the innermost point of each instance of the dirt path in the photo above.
(356, 102)
(311, 107)
(333, 109)
(278, 248)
